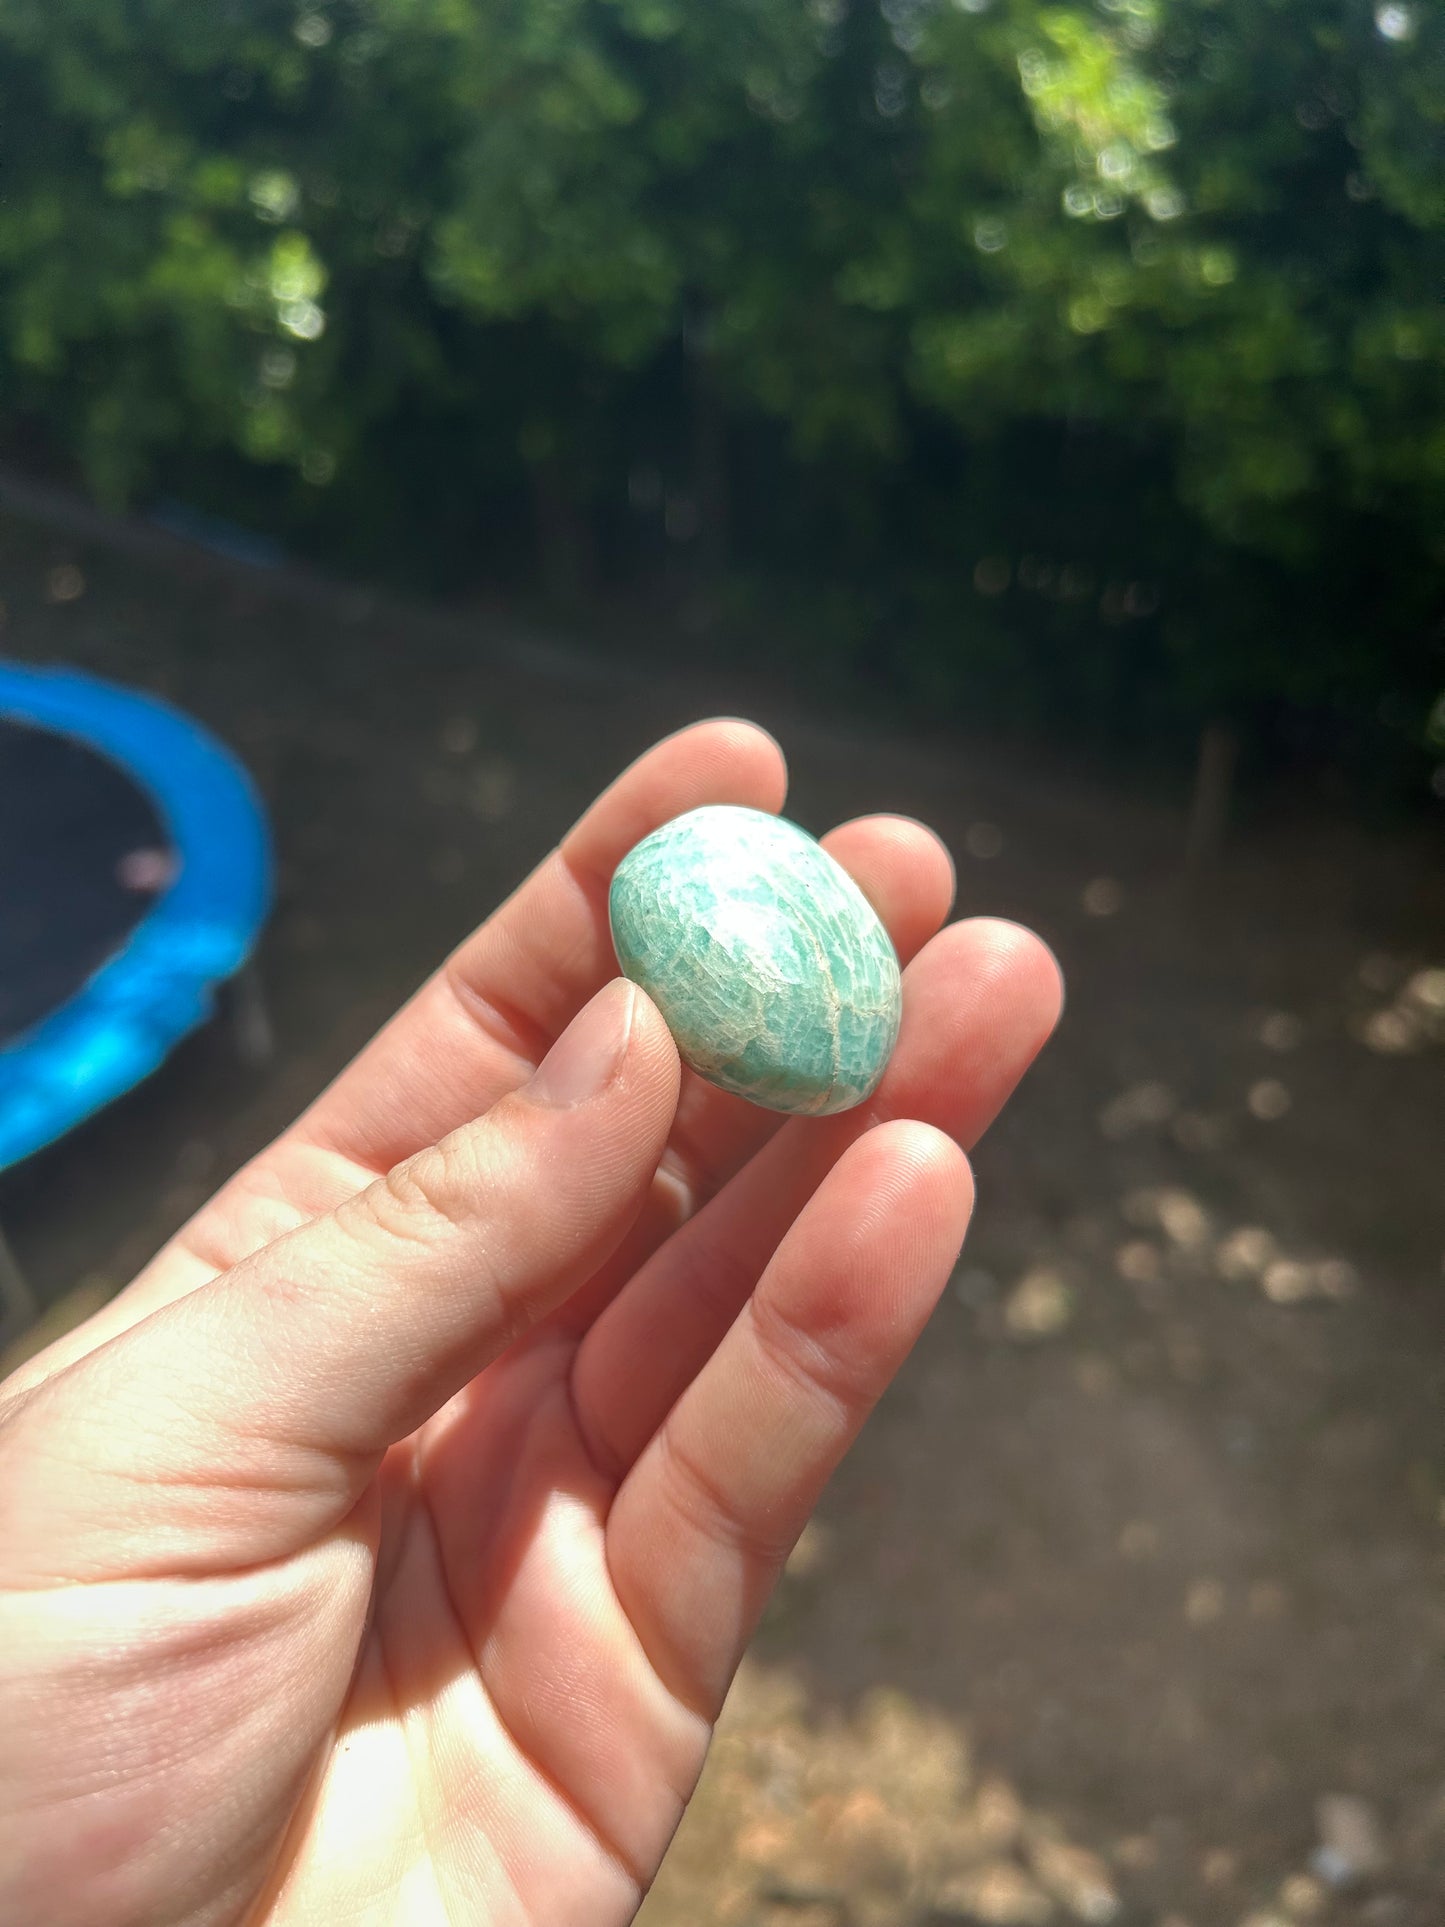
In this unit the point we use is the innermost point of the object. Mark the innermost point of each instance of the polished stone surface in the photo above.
(774, 974)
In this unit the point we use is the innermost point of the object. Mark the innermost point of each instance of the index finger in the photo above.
(477, 1027)
(473, 1032)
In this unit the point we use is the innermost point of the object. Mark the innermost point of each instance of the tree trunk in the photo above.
(1213, 793)
(566, 551)
(18, 1307)
(709, 464)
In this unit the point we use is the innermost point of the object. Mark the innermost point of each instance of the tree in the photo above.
(1094, 348)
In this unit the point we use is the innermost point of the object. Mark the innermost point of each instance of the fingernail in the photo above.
(585, 1058)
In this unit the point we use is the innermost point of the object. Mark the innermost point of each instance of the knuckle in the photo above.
(438, 1186)
(703, 1502)
(427, 1199)
(817, 1370)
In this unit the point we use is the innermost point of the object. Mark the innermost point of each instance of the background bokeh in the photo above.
(1036, 414)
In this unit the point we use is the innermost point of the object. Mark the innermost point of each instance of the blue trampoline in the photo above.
(135, 875)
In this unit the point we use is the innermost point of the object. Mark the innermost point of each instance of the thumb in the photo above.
(247, 1416)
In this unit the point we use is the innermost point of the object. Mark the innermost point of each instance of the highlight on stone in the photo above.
(770, 966)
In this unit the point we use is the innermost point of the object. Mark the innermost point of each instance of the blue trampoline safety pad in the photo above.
(160, 983)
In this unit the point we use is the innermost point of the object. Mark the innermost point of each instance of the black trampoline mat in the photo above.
(82, 857)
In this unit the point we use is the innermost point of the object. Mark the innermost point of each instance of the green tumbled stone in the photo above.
(769, 964)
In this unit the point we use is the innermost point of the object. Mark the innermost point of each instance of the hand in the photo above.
(385, 1551)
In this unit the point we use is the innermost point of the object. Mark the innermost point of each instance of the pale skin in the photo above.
(384, 1552)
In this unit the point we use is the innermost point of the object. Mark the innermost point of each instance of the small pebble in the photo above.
(1350, 1842)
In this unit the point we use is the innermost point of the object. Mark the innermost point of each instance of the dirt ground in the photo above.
(1130, 1606)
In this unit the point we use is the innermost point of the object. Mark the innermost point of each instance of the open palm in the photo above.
(385, 1551)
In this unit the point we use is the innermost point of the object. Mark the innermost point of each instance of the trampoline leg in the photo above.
(249, 1018)
(18, 1308)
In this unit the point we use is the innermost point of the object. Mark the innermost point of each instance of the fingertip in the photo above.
(1022, 955)
(737, 756)
(650, 1033)
(934, 858)
(929, 1151)
(651, 1052)
(1010, 963)
(877, 1243)
(750, 743)
(903, 868)
(932, 1173)
(911, 1178)
(722, 760)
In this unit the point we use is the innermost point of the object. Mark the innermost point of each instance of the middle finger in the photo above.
(979, 1002)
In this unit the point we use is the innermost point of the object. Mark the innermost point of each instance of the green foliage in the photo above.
(1096, 342)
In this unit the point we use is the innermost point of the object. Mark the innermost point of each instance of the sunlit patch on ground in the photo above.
(871, 1820)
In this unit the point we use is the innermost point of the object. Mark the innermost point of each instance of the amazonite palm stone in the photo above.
(769, 964)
